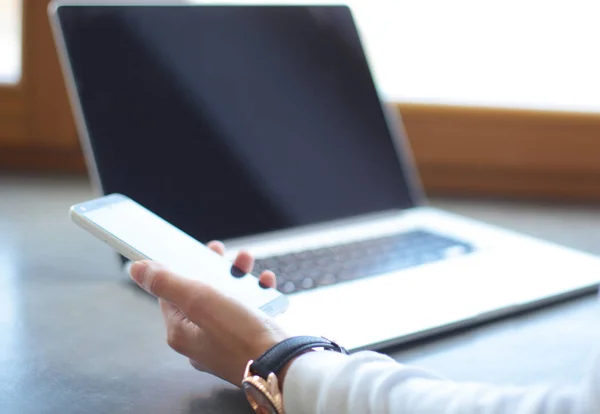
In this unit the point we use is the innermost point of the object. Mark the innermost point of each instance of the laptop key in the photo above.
(357, 260)
(288, 287)
(307, 284)
(326, 279)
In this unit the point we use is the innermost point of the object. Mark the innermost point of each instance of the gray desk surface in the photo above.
(76, 336)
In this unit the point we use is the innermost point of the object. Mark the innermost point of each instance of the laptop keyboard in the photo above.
(357, 260)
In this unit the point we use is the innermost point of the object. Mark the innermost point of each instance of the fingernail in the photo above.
(138, 272)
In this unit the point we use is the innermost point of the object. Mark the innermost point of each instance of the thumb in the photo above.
(201, 303)
(168, 286)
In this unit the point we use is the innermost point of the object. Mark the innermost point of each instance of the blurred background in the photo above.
(499, 98)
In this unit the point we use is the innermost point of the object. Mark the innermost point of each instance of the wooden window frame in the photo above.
(505, 152)
(458, 150)
(37, 131)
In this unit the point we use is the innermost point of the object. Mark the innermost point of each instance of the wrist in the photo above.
(264, 378)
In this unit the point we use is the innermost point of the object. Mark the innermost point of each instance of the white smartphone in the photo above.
(138, 234)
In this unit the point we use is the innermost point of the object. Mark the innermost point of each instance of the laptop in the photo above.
(261, 126)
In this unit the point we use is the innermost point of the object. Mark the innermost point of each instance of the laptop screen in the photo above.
(233, 120)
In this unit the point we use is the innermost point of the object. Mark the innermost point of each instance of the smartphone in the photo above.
(138, 234)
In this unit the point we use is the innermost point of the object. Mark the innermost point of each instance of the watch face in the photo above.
(259, 401)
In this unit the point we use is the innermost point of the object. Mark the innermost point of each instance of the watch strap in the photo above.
(279, 355)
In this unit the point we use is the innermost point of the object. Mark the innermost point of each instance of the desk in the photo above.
(77, 337)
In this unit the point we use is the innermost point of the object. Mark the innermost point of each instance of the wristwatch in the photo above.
(260, 382)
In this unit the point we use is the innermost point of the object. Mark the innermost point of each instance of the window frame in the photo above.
(505, 152)
(33, 134)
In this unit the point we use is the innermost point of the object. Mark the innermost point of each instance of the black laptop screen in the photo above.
(230, 121)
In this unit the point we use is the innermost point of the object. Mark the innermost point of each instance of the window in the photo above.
(36, 125)
(530, 54)
(498, 97)
(10, 41)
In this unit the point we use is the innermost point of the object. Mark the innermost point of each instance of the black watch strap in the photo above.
(275, 358)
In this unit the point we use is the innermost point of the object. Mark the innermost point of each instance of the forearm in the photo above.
(369, 383)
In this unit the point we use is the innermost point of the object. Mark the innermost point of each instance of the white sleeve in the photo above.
(371, 383)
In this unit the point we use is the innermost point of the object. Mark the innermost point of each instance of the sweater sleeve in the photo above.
(371, 383)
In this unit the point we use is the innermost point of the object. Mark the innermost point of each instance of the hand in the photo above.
(218, 334)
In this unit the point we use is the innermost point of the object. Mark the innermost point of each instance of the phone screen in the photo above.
(156, 239)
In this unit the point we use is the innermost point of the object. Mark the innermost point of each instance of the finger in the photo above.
(168, 286)
(217, 247)
(267, 279)
(200, 303)
(244, 261)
